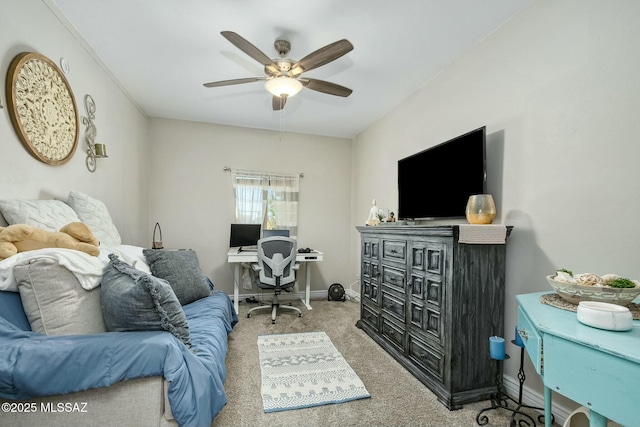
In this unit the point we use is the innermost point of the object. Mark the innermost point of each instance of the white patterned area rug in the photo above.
(304, 370)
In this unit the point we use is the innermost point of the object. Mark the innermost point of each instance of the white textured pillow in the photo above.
(49, 215)
(94, 213)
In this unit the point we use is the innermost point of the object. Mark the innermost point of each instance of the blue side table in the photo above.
(596, 368)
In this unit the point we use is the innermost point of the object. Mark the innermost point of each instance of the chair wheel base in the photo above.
(276, 307)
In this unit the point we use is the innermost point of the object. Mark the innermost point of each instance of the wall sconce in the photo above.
(94, 151)
(100, 150)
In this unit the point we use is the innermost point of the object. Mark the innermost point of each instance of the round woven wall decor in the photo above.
(42, 108)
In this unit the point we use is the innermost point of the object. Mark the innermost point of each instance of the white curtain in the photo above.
(267, 198)
(282, 212)
(250, 189)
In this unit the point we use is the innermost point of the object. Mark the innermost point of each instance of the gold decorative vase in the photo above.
(481, 209)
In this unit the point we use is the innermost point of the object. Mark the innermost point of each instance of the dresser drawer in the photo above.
(393, 305)
(394, 250)
(393, 277)
(393, 332)
(371, 317)
(531, 339)
(427, 356)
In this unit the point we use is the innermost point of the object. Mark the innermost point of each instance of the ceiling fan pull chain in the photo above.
(282, 123)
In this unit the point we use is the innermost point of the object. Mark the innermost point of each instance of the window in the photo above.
(270, 199)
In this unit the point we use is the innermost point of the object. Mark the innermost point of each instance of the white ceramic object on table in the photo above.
(602, 315)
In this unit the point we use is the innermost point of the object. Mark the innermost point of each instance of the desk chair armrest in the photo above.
(256, 267)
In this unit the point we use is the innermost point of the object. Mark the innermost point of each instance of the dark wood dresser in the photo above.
(432, 303)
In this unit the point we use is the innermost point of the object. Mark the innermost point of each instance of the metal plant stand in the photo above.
(501, 400)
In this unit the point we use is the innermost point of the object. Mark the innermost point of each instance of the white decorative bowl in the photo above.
(575, 293)
(603, 315)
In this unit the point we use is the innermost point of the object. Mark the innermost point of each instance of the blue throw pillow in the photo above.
(133, 300)
(182, 270)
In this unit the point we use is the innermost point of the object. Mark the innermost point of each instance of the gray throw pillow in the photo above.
(54, 301)
(136, 301)
(182, 270)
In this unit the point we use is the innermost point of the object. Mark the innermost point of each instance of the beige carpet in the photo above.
(397, 398)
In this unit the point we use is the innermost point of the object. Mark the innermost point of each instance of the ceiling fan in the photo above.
(283, 76)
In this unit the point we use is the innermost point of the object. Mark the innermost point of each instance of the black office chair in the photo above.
(276, 270)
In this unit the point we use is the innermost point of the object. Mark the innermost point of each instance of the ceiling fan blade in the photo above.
(322, 56)
(233, 82)
(278, 102)
(242, 44)
(326, 87)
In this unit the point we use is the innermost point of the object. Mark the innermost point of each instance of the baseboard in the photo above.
(532, 398)
(293, 296)
(284, 296)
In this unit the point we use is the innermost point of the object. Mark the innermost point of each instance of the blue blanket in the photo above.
(35, 365)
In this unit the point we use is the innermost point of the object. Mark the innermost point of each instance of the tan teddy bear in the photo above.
(21, 237)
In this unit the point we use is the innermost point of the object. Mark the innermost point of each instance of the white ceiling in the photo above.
(162, 51)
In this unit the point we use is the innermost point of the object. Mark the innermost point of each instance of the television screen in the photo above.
(244, 235)
(437, 182)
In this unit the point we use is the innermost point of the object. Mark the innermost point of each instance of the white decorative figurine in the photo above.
(373, 215)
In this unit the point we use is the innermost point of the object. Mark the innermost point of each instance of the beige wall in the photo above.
(558, 89)
(121, 181)
(192, 197)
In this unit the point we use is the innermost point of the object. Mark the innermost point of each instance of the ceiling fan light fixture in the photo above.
(283, 85)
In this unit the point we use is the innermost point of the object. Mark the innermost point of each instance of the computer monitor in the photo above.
(244, 235)
(271, 233)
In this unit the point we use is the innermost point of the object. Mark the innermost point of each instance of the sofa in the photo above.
(133, 336)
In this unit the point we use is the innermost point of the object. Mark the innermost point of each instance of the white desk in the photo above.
(246, 256)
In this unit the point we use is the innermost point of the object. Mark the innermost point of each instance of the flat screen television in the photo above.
(244, 235)
(437, 182)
